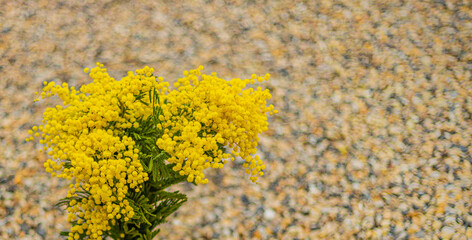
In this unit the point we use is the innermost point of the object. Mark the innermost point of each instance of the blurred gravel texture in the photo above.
(372, 139)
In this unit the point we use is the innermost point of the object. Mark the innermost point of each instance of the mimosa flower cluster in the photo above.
(207, 113)
(202, 124)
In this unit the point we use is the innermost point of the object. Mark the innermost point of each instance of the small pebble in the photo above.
(447, 232)
(269, 213)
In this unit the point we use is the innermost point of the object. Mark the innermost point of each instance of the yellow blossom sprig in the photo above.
(114, 138)
(207, 113)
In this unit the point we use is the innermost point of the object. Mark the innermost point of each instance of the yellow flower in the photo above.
(88, 137)
(206, 113)
(85, 134)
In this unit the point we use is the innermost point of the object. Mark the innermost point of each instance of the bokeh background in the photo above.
(372, 139)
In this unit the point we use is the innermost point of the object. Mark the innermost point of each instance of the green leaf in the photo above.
(151, 164)
(154, 233)
(167, 182)
(143, 102)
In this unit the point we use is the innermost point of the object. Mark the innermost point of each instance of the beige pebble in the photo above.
(447, 232)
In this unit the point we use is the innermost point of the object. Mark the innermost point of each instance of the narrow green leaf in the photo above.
(151, 164)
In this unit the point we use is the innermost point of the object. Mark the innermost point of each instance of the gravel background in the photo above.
(373, 136)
